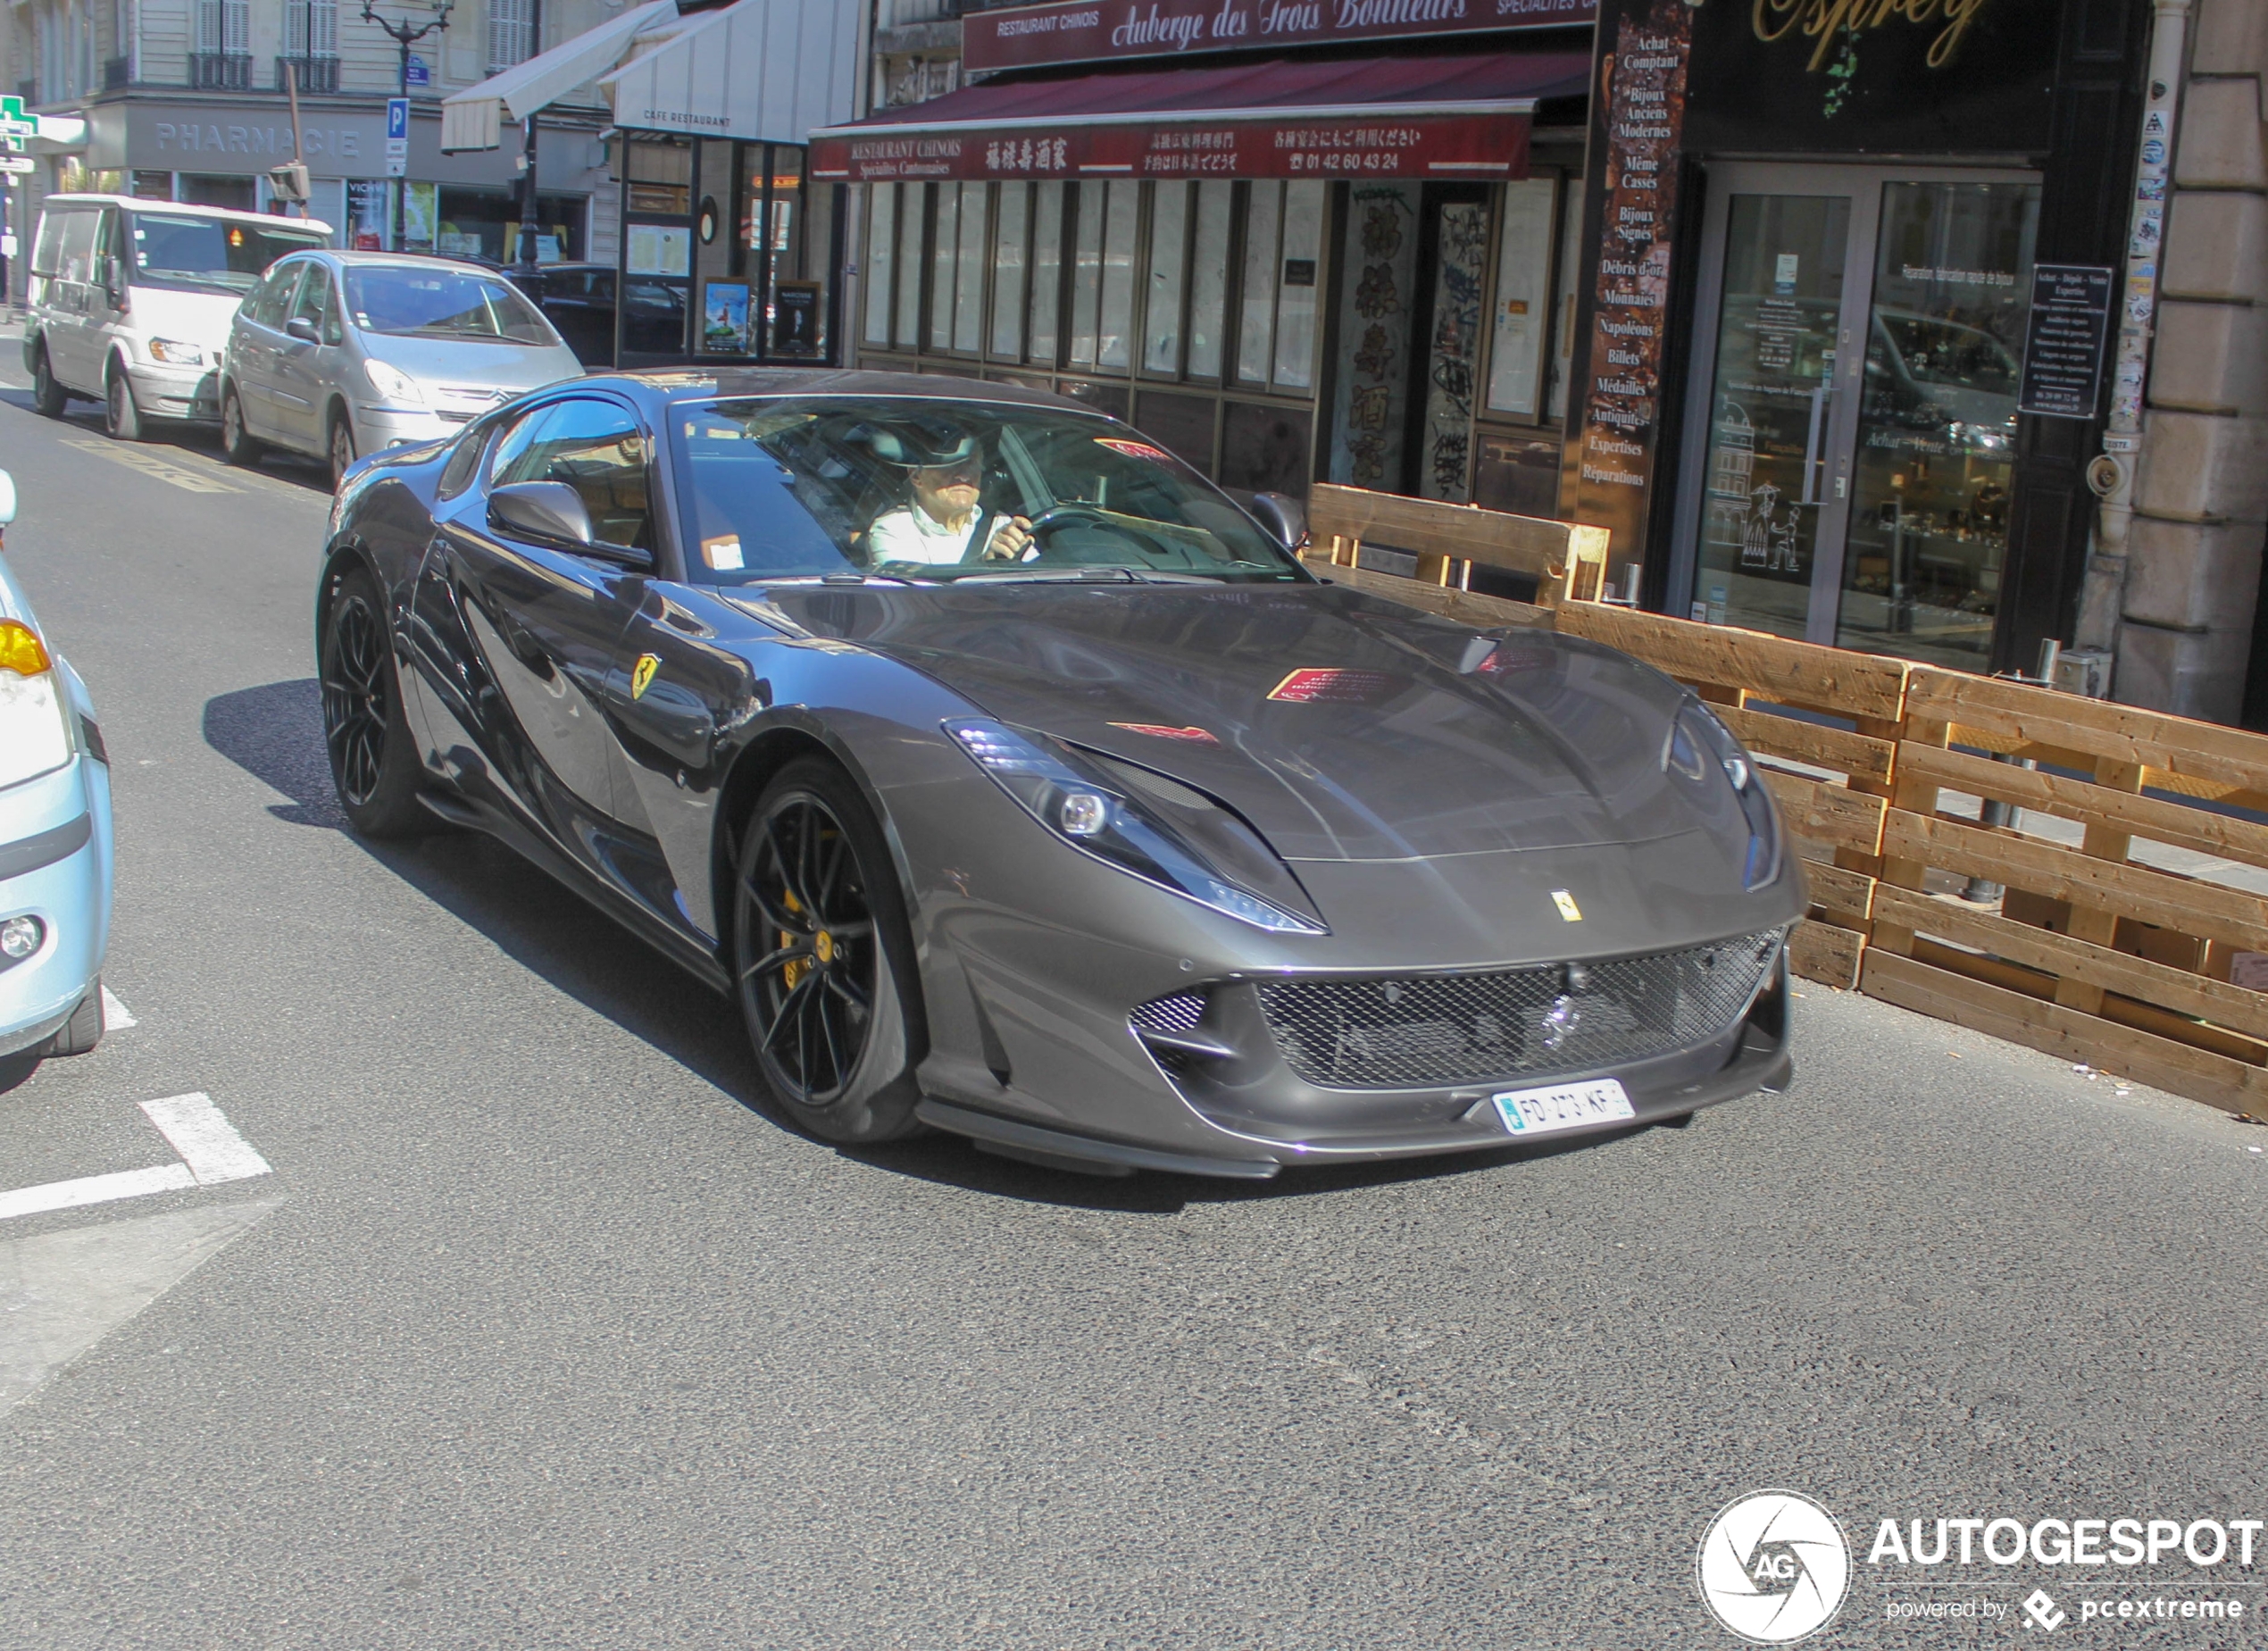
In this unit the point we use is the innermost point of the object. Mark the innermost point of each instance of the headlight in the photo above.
(1698, 744)
(34, 737)
(1088, 808)
(392, 384)
(173, 351)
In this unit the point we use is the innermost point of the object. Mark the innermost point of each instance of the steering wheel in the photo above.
(1056, 515)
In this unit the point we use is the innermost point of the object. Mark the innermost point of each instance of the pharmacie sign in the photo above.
(1086, 31)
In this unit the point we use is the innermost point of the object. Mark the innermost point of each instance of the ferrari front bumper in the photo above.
(1260, 1118)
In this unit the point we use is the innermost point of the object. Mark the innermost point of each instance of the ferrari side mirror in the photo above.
(550, 512)
(7, 498)
(1284, 517)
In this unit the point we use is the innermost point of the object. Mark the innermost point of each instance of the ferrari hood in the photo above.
(1343, 728)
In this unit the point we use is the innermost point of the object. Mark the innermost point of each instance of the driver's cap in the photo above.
(921, 443)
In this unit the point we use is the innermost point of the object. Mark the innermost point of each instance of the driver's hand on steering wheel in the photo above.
(1010, 541)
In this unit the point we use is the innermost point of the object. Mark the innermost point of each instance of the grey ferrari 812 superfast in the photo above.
(1013, 780)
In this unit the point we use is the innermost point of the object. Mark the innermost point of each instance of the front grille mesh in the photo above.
(1421, 1030)
(1177, 1013)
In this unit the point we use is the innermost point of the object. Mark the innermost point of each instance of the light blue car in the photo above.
(54, 839)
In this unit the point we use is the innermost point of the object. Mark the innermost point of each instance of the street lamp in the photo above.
(405, 35)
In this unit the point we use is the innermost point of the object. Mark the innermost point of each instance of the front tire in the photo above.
(238, 444)
(373, 759)
(47, 396)
(340, 446)
(122, 413)
(824, 960)
(84, 1029)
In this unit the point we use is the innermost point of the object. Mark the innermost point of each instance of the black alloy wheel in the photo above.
(821, 950)
(46, 395)
(373, 763)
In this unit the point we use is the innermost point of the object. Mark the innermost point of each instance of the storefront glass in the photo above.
(1929, 527)
(1771, 409)
(485, 223)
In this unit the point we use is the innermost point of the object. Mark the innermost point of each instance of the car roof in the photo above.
(143, 204)
(401, 260)
(682, 384)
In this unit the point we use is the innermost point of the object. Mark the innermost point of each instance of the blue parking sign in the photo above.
(397, 118)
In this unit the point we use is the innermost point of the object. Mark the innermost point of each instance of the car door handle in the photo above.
(528, 651)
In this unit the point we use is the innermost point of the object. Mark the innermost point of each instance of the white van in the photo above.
(131, 302)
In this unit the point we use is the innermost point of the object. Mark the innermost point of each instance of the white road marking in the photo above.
(152, 465)
(208, 1143)
(211, 1152)
(95, 1190)
(115, 1017)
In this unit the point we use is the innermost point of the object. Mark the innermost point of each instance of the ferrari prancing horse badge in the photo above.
(642, 674)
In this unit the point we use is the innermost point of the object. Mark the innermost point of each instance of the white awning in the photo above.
(760, 69)
(473, 119)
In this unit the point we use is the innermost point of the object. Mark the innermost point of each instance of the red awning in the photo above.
(1387, 117)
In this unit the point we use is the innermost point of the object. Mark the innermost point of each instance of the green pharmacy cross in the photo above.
(15, 125)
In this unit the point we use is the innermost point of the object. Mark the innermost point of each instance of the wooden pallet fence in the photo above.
(1564, 558)
(2091, 953)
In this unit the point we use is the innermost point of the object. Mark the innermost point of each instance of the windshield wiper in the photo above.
(1014, 575)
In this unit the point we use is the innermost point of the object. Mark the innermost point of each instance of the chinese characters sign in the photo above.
(1485, 148)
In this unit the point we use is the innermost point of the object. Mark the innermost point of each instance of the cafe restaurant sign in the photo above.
(1088, 31)
(1486, 147)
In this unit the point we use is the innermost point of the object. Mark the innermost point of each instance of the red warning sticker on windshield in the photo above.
(1134, 449)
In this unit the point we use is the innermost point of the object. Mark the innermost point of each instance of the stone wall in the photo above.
(2201, 503)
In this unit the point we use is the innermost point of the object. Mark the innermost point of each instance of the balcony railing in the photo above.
(117, 71)
(316, 74)
(221, 71)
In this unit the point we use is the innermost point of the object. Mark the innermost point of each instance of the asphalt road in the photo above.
(537, 1336)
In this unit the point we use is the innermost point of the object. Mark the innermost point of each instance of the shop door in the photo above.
(1851, 426)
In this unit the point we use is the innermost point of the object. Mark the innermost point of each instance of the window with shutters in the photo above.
(224, 27)
(511, 33)
(310, 28)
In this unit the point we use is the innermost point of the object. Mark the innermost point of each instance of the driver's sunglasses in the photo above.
(961, 470)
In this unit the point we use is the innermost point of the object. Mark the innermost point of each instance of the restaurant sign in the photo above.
(1487, 148)
(1086, 32)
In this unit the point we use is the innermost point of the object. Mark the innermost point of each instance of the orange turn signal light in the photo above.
(21, 650)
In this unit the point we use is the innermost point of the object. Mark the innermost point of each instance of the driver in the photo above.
(942, 522)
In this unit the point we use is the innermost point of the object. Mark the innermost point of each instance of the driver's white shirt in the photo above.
(910, 534)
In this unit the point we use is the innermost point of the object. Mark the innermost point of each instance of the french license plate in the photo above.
(1561, 1107)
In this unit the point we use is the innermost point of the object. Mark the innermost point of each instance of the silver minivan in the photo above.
(130, 300)
(340, 353)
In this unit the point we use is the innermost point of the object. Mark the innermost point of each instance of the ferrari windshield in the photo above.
(923, 489)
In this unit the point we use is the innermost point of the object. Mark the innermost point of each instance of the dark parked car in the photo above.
(1011, 780)
(579, 298)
